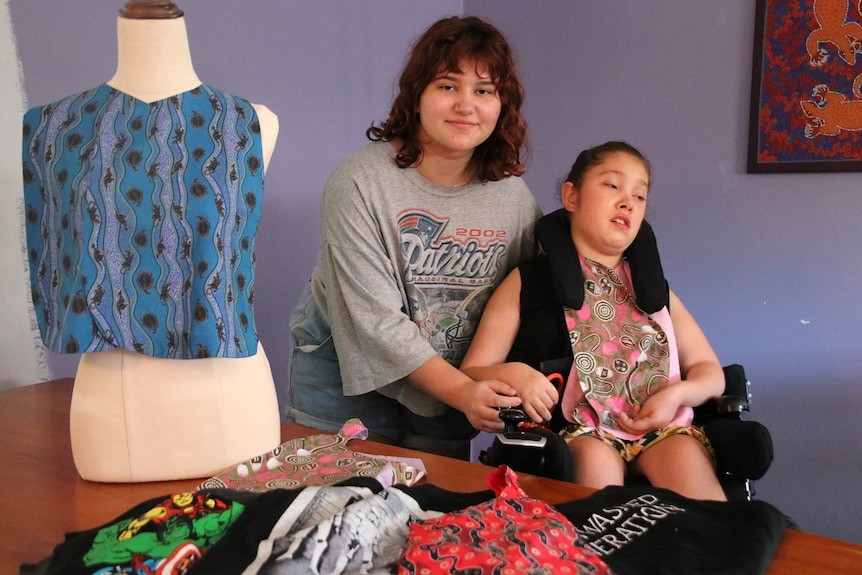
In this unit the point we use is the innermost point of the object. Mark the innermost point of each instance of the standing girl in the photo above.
(417, 229)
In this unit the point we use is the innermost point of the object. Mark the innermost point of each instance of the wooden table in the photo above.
(43, 497)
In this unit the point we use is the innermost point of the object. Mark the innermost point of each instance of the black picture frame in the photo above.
(806, 88)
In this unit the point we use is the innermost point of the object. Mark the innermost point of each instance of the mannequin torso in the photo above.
(154, 62)
(136, 417)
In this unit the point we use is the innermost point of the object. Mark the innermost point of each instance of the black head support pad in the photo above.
(554, 237)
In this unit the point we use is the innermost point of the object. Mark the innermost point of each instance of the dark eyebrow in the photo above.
(619, 173)
(449, 76)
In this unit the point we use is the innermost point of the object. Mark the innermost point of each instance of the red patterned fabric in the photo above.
(510, 534)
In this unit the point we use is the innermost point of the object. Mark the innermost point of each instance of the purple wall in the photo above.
(770, 265)
(765, 262)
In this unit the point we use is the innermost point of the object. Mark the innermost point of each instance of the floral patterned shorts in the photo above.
(630, 449)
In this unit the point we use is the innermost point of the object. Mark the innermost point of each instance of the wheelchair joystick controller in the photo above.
(512, 418)
(527, 448)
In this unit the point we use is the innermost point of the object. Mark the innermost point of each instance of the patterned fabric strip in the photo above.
(621, 355)
(317, 460)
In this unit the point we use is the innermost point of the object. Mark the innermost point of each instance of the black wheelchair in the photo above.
(743, 447)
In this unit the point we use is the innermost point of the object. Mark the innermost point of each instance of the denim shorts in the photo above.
(315, 396)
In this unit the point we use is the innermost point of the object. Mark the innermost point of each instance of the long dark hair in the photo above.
(443, 47)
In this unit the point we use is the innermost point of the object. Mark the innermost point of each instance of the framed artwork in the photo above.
(806, 88)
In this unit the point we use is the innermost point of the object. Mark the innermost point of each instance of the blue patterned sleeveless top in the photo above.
(141, 222)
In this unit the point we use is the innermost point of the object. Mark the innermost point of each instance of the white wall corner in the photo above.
(23, 358)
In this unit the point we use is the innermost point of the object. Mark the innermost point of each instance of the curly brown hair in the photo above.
(444, 47)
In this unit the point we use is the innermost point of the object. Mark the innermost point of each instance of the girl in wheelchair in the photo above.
(597, 300)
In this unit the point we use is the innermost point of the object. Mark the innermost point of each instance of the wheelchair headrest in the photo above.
(554, 237)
